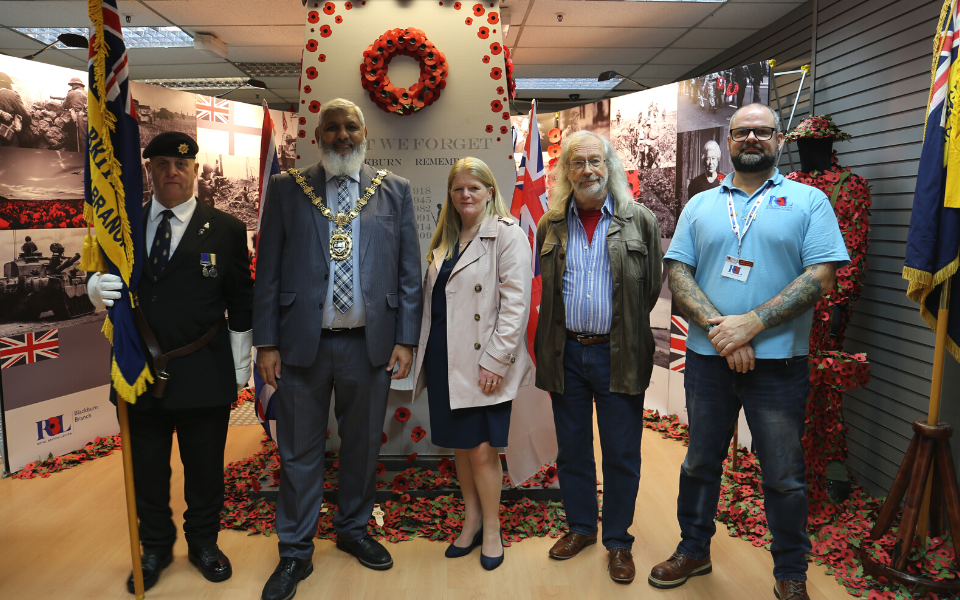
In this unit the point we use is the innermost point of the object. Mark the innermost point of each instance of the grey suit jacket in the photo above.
(293, 268)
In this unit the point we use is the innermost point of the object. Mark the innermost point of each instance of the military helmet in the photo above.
(5, 81)
(77, 81)
(26, 239)
(207, 168)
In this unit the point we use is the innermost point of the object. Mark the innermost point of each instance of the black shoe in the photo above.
(282, 585)
(213, 563)
(368, 551)
(151, 564)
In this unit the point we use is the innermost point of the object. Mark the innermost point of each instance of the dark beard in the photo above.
(753, 163)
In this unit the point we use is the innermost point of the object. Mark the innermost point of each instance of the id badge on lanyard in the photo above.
(735, 267)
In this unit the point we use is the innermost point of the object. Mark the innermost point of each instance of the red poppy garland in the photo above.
(374, 71)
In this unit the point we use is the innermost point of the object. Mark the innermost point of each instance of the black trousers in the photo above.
(201, 436)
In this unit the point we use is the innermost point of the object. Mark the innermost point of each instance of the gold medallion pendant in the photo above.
(341, 244)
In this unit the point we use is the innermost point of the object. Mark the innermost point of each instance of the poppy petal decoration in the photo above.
(314, 107)
(329, 8)
(553, 151)
(412, 457)
(483, 33)
(493, 18)
(496, 48)
(402, 414)
(504, 129)
(313, 16)
(496, 106)
(381, 469)
(496, 73)
(445, 466)
(400, 484)
(311, 72)
(418, 434)
(325, 31)
(554, 135)
(374, 69)
(383, 438)
(478, 10)
(312, 46)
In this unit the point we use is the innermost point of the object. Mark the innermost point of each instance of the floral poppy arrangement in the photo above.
(375, 79)
(101, 446)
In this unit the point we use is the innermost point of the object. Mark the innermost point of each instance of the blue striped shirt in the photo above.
(587, 285)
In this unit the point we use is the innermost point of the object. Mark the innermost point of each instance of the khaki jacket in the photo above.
(488, 304)
(633, 242)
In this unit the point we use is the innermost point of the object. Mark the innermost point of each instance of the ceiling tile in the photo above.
(174, 71)
(677, 56)
(752, 15)
(671, 72)
(599, 37)
(551, 71)
(267, 54)
(712, 38)
(582, 56)
(171, 56)
(619, 14)
(18, 44)
(53, 14)
(265, 35)
(231, 12)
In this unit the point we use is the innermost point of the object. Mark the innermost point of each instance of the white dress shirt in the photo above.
(182, 214)
(356, 315)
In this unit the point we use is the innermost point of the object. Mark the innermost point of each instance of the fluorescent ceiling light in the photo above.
(270, 69)
(203, 83)
(133, 37)
(567, 84)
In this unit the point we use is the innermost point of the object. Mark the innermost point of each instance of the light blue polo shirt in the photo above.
(795, 227)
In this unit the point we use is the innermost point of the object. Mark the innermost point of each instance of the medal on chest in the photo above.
(341, 242)
(209, 264)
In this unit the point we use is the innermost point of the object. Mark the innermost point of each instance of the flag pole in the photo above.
(131, 497)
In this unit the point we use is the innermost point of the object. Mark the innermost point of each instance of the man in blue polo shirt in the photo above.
(747, 264)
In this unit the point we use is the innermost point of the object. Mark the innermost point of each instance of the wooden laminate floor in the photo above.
(65, 538)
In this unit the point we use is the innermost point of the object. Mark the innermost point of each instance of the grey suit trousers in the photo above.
(303, 407)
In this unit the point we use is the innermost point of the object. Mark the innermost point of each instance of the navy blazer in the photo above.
(293, 268)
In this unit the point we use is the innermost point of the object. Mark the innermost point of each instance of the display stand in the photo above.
(925, 489)
(804, 70)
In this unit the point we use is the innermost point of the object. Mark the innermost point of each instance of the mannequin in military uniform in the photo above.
(195, 269)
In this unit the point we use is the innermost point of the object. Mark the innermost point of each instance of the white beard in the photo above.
(337, 165)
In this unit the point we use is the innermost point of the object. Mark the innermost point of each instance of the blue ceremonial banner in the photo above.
(113, 192)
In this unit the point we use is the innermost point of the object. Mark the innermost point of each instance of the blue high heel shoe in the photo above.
(457, 551)
(490, 563)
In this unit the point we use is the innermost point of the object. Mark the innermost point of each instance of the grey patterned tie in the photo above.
(343, 269)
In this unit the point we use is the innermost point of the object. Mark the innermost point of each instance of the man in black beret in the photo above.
(195, 269)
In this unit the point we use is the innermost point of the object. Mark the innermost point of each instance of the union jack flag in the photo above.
(213, 109)
(678, 343)
(28, 348)
(529, 204)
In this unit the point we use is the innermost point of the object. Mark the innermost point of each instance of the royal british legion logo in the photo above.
(51, 427)
(779, 203)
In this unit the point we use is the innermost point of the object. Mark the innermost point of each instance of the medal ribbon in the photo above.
(751, 216)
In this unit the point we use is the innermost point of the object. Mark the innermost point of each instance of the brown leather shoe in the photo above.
(791, 590)
(675, 571)
(570, 545)
(621, 566)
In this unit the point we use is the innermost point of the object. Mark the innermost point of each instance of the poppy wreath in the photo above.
(374, 71)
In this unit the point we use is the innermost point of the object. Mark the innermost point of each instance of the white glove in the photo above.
(103, 289)
(242, 344)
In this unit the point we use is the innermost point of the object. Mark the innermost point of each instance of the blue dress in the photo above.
(462, 428)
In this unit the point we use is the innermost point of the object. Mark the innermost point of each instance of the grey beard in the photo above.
(753, 163)
(601, 193)
(336, 165)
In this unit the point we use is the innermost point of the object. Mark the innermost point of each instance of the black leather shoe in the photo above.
(282, 585)
(368, 551)
(213, 563)
(151, 564)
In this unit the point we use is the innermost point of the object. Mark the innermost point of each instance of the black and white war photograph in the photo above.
(710, 100)
(285, 130)
(42, 286)
(40, 189)
(229, 183)
(42, 106)
(702, 162)
(591, 117)
(160, 109)
(643, 127)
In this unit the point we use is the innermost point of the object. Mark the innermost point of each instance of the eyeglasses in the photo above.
(578, 165)
(761, 133)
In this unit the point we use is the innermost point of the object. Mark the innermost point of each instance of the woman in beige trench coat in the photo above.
(473, 355)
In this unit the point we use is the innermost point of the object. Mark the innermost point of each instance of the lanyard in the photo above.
(751, 216)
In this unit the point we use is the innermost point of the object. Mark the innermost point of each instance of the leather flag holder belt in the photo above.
(160, 359)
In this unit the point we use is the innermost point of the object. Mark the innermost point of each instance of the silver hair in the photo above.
(776, 115)
(340, 104)
(617, 185)
(710, 145)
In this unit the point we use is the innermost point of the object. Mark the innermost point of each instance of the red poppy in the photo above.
(348, 5)
(335, 464)
(315, 107)
(478, 10)
(303, 133)
(322, 58)
(312, 46)
(313, 16)
(505, 116)
(483, 33)
(496, 48)
(311, 72)
(468, 21)
(418, 434)
(493, 18)
(383, 438)
(445, 466)
(500, 89)
(329, 8)
(325, 31)
(381, 469)
(302, 120)
(412, 457)
(496, 106)
(489, 128)
(307, 89)
(504, 129)
(402, 414)
(496, 73)
(338, 19)
(405, 498)
(554, 135)
(457, 5)
(400, 484)
(486, 58)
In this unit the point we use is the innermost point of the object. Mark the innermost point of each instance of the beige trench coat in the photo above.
(488, 304)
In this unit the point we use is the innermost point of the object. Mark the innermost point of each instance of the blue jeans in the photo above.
(586, 377)
(773, 397)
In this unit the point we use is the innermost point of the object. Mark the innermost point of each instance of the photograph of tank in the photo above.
(702, 162)
(229, 183)
(160, 109)
(40, 189)
(42, 286)
(643, 128)
(42, 106)
(710, 100)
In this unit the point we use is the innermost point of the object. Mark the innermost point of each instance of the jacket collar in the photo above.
(198, 229)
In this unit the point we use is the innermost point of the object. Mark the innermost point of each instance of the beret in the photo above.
(173, 144)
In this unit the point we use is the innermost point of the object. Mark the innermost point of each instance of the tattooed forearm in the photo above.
(798, 297)
(690, 298)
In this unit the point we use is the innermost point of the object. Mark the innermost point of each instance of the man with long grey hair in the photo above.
(601, 263)
(337, 308)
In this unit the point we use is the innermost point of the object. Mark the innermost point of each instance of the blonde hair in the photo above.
(448, 224)
(617, 184)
